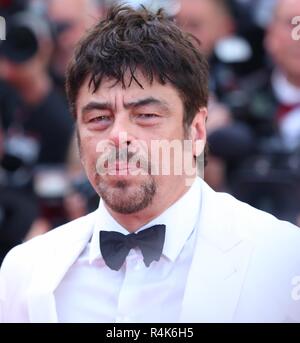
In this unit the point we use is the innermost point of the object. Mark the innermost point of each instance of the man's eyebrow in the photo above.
(147, 101)
(95, 105)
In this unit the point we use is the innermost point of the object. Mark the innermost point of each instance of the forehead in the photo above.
(287, 8)
(110, 90)
(66, 9)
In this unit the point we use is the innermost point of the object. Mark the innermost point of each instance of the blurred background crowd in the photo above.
(254, 110)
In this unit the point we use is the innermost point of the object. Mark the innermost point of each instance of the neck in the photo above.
(161, 202)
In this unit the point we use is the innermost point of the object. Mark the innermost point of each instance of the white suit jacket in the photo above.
(245, 268)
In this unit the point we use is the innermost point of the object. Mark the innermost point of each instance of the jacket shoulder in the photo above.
(48, 240)
(272, 247)
(20, 264)
(254, 223)
(20, 260)
(237, 217)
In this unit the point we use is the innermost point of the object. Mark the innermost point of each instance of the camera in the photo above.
(23, 33)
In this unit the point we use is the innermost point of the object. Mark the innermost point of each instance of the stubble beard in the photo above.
(125, 198)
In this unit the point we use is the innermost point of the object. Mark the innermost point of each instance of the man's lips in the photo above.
(122, 167)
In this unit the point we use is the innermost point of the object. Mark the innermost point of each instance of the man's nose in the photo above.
(122, 131)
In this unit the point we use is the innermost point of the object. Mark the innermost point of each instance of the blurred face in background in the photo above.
(72, 18)
(206, 20)
(285, 51)
(19, 75)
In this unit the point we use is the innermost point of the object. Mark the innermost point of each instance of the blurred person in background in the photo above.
(70, 19)
(229, 36)
(37, 126)
(266, 110)
(40, 113)
(210, 21)
(284, 51)
(253, 128)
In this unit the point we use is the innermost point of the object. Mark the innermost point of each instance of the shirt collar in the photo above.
(284, 91)
(180, 220)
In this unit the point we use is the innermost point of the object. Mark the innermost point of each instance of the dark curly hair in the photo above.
(129, 40)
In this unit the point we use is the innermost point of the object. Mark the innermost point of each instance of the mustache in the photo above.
(122, 155)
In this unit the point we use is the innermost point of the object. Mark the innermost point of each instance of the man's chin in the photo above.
(125, 194)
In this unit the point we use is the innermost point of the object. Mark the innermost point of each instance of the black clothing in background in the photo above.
(18, 210)
(49, 123)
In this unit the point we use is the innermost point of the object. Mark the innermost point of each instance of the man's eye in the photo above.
(147, 115)
(100, 118)
(147, 119)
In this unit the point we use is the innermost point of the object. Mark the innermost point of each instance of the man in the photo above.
(137, 81)
(285, 79)
(269, 117)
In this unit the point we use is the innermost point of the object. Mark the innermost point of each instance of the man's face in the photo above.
(118, 130)
(206, 21)
(279, 40)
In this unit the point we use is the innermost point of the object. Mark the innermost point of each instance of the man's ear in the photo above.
(198, 131)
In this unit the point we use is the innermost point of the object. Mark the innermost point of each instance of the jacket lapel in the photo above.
(64, 249)
(219, 265)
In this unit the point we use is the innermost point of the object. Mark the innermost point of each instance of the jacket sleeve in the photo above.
(14, 280)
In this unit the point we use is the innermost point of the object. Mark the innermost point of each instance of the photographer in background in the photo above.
(40, 112)
(70, 20)
(36, 133)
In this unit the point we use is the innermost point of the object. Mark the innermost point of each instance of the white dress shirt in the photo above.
(285, 92)
(92, 292)
(288, 94)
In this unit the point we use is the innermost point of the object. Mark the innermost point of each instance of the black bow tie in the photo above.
(115, 246)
